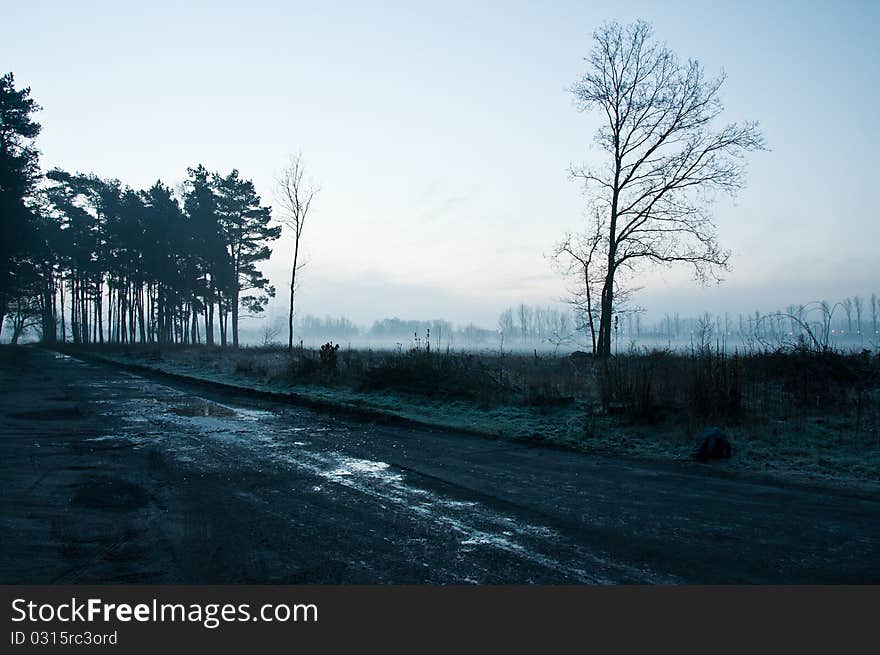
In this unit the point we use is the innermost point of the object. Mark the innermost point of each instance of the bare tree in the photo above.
(579, 257)
(665, 159)
(808, 331)
(858, 305)
(582, 258)
(560, 331)
(505, 322)
(847, 305)
(270, 334)
(873, 314)
(525, 320)
(295, 199)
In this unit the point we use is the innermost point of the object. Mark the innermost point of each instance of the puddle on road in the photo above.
(197, 407)
(365, 467)
(201, 407)
(104, 437)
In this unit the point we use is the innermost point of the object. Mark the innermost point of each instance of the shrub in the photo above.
(302, 367)
(329, 354)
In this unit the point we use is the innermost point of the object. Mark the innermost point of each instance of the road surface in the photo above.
(110, 477)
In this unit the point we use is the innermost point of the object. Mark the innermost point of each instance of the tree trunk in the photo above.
(4, 304)
(221, 308)
(604, 346)
(160, 326)
(194, 327)
(99, 306)
(131, 291)
(109, 310)
(17, 329)
(292, 289)
(49, 320)
(140, 311)
(63, 323)
(96, 316)
(290, 314)
(209, 319)
(235, 319)
(607, 307)
(121, 315)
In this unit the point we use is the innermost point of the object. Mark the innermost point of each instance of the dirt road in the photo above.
(110, 477)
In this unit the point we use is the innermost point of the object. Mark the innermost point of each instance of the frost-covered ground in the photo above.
(814, 447)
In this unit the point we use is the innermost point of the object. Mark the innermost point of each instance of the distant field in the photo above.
(621, 345)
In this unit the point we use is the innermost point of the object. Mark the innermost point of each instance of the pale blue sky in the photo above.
(441, 133)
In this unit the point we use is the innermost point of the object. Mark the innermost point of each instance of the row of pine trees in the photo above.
(90, 260)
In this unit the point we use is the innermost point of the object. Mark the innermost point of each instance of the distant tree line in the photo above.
(533, 323)
(416, 334)
(89, 260)
(328, 327)
(816, 324)
(395, 329)
(521, 325)
(853, 317)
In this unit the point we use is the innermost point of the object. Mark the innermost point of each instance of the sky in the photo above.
(440, 135)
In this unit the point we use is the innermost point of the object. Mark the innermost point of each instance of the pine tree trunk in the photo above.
(99, 314)
(221, 307)
(235, 319)
(63, 324)
(209, 321)
(140, 311)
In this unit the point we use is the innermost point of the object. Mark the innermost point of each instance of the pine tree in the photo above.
(246, 233)
(19, 172)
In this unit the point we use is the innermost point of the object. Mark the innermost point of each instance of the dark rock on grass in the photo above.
(712, 443)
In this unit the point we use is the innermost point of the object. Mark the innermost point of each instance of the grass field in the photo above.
(798, 414)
